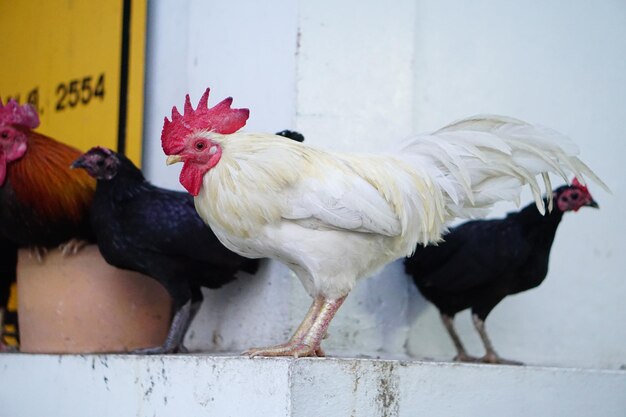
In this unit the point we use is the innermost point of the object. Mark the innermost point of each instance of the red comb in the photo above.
(220, 118)
(14, 114)
(577, 184)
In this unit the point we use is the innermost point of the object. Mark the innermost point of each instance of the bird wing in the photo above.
(456, 264)
(340, 199)
(473, 254)
(166, 222)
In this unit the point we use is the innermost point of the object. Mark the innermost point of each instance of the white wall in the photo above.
(195, 44)
(357, 75)
(561, 64)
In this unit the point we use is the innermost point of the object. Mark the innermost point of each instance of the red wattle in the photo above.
(191, 178)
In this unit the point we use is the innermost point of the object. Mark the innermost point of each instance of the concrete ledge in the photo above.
(197, 385)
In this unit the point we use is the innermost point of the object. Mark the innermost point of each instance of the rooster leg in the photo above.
(490, 356)
(297, 337)
(308, 321)
(309, 345)
(174, 339)
(319, 329)
(72, 246)
(461, 354)
(37, 252)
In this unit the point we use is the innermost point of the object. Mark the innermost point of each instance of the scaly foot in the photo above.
(297, 349)
(157, 350)
(308, 337)
(464, 357)
(174, 340)
(493, 358)
(72, 246)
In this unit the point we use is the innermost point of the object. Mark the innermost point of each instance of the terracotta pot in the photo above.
(81, 304)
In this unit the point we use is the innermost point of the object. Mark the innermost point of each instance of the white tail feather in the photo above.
(485, 159)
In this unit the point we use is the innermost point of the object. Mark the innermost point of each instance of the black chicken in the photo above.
(481, 262)
(158, 232)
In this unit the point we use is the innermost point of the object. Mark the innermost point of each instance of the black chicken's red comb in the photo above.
(577, 184)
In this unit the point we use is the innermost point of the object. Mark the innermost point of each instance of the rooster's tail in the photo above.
(481, 160)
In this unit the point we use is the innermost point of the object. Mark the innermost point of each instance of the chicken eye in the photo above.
(574, 196)
(199, 146)
(4, 134)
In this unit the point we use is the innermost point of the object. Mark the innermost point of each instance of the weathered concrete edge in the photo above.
(234, 385)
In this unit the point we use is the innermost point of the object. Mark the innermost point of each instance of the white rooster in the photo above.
(336, 217)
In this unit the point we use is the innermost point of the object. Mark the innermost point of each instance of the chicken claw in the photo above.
(493, 358)
(461, 354)
(174, 340)
(38, 253)
(308, 337)
(295, 349)
(72, 246)
(464, 357)
(490, 356)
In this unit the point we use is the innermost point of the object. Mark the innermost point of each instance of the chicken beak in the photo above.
(593, 204)
(172, 159)
(78, 163)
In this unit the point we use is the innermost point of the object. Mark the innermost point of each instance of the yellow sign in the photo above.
(81, 64)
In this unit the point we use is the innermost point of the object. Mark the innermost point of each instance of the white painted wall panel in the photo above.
(359, 75)
(355, 73)
(561, 64)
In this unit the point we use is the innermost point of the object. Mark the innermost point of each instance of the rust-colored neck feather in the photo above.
(43, 180)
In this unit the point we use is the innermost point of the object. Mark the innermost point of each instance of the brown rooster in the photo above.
(43, 204)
